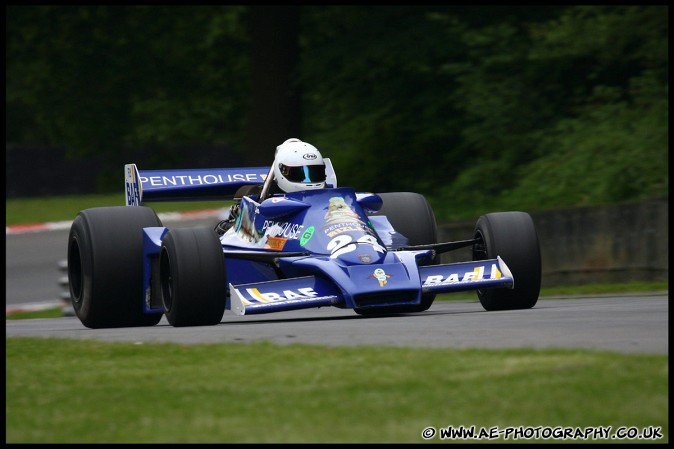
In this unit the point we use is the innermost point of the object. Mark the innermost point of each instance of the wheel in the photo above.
(105, 266)
(411, 215)
(192, 277)
(512, 236)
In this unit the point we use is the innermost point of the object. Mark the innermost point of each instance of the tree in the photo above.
(108, 80)
(474, 106)
(274, 112)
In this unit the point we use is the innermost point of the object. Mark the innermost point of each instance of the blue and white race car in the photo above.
(373, 253)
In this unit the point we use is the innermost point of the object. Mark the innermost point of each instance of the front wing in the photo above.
(312, 291)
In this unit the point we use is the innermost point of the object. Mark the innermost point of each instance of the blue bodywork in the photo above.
(315, 248)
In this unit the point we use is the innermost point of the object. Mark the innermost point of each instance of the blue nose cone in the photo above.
(361, 254)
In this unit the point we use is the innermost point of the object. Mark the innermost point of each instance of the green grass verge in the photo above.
(55, 312)
(66, 391)
(64, 208)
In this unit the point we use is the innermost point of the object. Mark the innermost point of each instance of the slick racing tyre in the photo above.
(105, 266)
(512, 236)
(192, 277)
(411, 215)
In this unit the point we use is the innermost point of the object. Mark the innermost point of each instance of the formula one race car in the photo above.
(373, 253)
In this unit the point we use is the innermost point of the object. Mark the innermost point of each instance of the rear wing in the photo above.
(194, 184)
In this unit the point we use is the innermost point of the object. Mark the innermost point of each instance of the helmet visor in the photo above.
(304, 173)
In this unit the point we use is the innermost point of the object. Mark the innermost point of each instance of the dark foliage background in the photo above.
(480, 108)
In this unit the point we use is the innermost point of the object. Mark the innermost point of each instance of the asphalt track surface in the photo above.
(634, 323)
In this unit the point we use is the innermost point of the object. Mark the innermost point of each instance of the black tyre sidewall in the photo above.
(411, 215)
(512, 236)
(194, 260)
(105, 266)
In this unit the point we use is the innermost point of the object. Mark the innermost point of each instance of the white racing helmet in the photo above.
(298, 166)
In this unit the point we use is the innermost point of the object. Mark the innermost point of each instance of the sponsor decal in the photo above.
(476, 275)
(132, 187)
(365, 258)
(131, 197)
(189, 180)
(338, 228)
(310, 156)
(244, 226)
(276, 243)
(341, 229)
(306, 235)
(287, 230)
(381, 276)
(341, 218)
(300, 293)
(340, 212)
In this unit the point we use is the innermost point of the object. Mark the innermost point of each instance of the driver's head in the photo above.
(298, 166)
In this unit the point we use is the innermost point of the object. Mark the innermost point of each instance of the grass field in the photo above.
(66, 391)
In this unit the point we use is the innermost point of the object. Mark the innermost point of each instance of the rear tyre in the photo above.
(192, 277)
(512, 236)
(411, 215)
(105, 266)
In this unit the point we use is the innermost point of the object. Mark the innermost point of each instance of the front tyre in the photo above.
(105, 266)
(512, 236)
(192, 277)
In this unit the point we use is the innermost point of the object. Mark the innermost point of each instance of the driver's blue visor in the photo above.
(305, 173)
